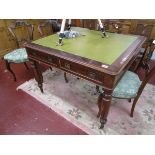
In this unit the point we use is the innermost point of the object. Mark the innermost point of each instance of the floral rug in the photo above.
(76, 102)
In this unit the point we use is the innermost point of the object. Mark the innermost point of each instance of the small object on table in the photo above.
(69, 25)
(61, 34)
(102, 28)
(71, 34)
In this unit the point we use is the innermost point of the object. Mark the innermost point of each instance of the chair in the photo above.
(21, 32)
(143, 29)
(117, 26)
(129, 87)
(89, 23)
(45, 29)
(145, 57)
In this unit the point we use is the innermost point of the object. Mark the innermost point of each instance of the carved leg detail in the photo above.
(10, 70)
(38, 74)
(65, 77)
(26, 66)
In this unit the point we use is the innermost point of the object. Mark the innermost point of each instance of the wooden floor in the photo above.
(22, 114)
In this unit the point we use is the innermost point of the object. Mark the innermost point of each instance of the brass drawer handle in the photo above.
(67, 66)
(92, 75)
(33, 53)
(50, 59)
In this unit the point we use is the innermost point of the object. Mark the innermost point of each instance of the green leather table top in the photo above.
(91, 45)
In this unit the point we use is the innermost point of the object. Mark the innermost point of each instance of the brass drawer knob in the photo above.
(50, 59)
(33, 53)
(92, 75)
(67, 66)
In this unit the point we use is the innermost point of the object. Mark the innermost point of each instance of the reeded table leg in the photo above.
(38, 74)
(104, 102)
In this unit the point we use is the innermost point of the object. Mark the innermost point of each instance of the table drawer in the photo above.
(44, 57)
(81, 70)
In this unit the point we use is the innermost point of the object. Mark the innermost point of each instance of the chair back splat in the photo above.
(145, 60)
(46, 28)
(21, 32)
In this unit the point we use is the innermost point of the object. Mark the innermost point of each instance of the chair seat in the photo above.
(17, 56)
(128, 86)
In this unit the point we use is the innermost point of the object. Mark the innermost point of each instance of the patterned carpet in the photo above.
(76, 102)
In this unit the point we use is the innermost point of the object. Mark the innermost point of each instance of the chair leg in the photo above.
(9, 69)
(65, 77)
(137, 66)
(26, 65)
(129, 99)
(134, 104)
(51, 69)
(147, 69)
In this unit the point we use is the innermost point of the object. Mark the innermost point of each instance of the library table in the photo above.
(102, 61)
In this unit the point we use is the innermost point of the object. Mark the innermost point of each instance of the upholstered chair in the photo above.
(146, 57)
(129, 87)
(21, 32)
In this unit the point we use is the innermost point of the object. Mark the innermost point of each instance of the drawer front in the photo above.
(81, 70)
(44, 57)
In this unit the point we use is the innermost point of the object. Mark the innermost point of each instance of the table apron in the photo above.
(76, 69)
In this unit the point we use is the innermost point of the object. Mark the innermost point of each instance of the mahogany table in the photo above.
(102, 61)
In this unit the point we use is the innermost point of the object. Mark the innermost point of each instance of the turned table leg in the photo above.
(104, 102)
(37, 74)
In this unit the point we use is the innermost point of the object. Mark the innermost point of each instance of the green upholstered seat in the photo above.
(128, 86)
(17, 56)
